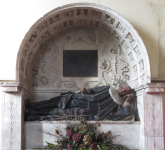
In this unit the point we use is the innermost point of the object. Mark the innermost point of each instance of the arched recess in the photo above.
(80, 17)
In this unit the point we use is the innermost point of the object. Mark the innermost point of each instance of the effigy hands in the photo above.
(128, 97)
(83, 90)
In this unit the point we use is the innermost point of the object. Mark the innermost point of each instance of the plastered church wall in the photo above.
(158, 8)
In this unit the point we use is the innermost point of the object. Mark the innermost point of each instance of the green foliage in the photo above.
(49, 145)
(73, 131)
(73, 142)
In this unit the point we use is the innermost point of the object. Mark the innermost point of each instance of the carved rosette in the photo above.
(130, 38)
(109, 19)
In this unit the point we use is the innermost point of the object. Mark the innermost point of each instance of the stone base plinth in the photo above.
(127, 131)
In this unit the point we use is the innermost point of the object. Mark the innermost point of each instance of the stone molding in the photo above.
(158, 87)
(10, 87)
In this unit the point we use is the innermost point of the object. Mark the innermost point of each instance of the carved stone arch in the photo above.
(90, 16)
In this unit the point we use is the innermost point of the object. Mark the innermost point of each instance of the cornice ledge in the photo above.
(151, 88)
(10, 87)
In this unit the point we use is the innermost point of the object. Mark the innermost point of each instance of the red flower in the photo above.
(76, 137)
(94, 146)
(69, 147)
(69, 133)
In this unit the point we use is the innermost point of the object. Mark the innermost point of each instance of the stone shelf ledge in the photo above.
(40, 149)
(10, 87)
(151, 87)
(88, 122)
(4, 84)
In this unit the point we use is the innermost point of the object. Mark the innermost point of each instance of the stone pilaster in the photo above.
(11, 118)
(151, 108)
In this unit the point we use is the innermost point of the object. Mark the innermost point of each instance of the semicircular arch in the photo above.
(84, 15)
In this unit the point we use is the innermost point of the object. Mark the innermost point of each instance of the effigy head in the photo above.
(124, 90)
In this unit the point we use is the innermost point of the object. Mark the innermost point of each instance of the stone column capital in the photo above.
(10, 87)
(152, 88)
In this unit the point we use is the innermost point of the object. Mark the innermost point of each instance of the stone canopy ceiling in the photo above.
(85, 15)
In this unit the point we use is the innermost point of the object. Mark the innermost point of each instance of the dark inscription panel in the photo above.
(80, 63)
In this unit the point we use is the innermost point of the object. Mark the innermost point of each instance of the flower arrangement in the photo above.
(80, 136)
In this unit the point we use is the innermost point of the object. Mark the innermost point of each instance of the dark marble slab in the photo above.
(80, 63)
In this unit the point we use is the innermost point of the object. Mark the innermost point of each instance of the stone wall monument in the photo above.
(122, 57)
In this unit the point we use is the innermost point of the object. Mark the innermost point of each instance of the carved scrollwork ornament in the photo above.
(105, 64)
(125, 70)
